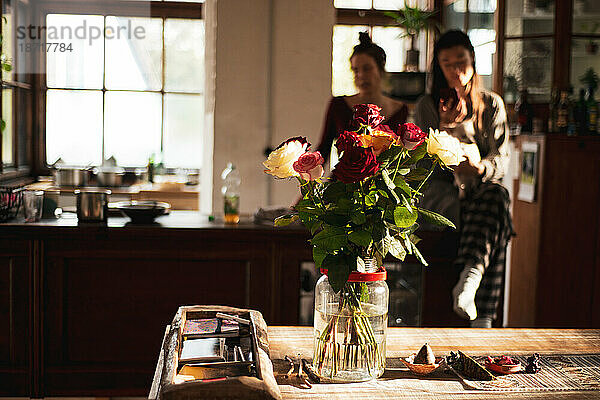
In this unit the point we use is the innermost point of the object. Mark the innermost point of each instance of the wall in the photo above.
(272, 77)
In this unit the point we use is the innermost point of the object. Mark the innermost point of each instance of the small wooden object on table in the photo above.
(259, 384)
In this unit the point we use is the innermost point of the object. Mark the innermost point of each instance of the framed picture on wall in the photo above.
(529, 171)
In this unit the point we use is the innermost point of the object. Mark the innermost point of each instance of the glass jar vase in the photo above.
(350, 326)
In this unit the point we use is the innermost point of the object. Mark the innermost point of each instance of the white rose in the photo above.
(446, 147)
(281, 160)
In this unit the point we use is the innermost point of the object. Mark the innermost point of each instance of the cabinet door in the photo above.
(15, 286)
(107, 302)
(569, 233)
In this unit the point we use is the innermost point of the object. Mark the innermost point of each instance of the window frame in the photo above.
(35, 116)
(19, 82)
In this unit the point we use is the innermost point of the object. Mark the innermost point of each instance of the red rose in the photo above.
(356, 164)
(347, 140)
(309, 166)
(367, 114)
(411, 136)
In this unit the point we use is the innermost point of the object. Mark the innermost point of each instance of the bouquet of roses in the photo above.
(369, 207)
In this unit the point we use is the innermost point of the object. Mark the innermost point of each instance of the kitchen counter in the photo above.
(85, 302)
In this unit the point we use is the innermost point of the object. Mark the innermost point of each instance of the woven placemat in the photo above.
(559, 372)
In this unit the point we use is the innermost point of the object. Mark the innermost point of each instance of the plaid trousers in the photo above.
(485, 229)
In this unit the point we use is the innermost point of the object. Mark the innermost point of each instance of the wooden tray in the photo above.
(261, 386)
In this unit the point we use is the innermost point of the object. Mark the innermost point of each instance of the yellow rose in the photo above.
(379, 140)
(281, 160)
(447, 148)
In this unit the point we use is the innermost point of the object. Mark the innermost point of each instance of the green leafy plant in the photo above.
(413, 20)
(589, 79)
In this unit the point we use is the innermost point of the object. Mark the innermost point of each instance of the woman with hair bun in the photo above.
(368, 67)
(471, 194)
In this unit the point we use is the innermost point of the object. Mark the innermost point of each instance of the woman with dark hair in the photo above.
(368, 67)
(470, 195)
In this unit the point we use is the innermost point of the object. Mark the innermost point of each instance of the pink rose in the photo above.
(411, 136)
(309, 166)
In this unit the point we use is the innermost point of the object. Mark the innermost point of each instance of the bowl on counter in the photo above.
(142, 212)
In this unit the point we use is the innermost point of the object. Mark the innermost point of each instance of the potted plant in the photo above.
(413, 20)
(589, 79)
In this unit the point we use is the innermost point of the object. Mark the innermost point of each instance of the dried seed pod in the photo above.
(425, 355)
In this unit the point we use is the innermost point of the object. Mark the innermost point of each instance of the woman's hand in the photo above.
(469, 168)
(452, 112)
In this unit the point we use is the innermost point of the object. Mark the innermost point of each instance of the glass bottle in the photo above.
(553, 111)
(350, 326)
(562, 120)
(524, 112)
(231, 193)
(581, 114)
(591, 111)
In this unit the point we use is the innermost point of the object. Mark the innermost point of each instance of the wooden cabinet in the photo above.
(555, 261)
(15, 317)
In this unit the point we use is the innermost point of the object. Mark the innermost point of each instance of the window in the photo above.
(136, 92)
(476, 17)
(354, 16)
(16, 97)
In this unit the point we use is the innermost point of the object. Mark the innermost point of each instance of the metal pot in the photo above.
(109, 176)
(92, 204)
(70, 176)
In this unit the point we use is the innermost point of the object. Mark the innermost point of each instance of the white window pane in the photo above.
(7, 38)
(132, 125)
(80, 68)
(345, 37)
(74, 126)
(133, 53)
(388, 4)
(352, 3)
(482, 6)
(485, 46)
(184, 48)
(7, 133)
(184, 122)
(389, 39)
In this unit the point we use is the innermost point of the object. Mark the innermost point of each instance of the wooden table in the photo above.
(398, 383)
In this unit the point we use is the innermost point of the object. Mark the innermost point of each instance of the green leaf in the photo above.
(318, 255)
(364, 292)
(371, 198)
(285, 220)
(335, 219)
(307, 207)
(360, 238)
(383, 246)
(435, 218)
(389, 156)
(415, 155)
(417, 174)
(331, 238)
(404, 171)
(359, 218)
(2, 125)
(379, 231)
(419, 255)
(396, 249)
(315, 226)
(334, 191)
(338, 270)
(403, 217)
(344, 205)
(401, 184)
